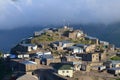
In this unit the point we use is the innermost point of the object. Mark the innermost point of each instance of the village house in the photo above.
(87, 48)
(27, 40)
(27, 66)
(81, 45)
(102, 56)
(74, 34)
(111, 47)
(46, 59)
(114, 71)
(104, 43)
(23, 48)
(92, 57)
(112, 64)
(23, 56)
(29, 47)
(40, 54)
(90, 48)
(65, 28)
(23, 66)
(75, 49)
(92, 39)
(16, 56)
(38, 33)
(64, 69)
(60, 45)
(74, 60)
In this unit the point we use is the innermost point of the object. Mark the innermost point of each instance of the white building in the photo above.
(75, 49)
(66, 70)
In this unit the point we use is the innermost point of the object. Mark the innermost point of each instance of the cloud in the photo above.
(14, 3)
(29, 2)
(42, 12)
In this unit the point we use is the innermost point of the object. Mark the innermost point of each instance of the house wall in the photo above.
(95, 57)
(89, 57)
(66, 73)
(85, 57)
(90, 48)
(30, 67)
(116, 65)
(114, 71)
(72, 35)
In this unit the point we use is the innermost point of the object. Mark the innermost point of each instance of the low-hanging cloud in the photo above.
(16, 13)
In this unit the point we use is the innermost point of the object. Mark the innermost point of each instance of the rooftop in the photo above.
(47, 56)
(63, 66)
(26, 62)
(27, 77)
(113, 62)
(81, 45)
(27, 45)
(90, 37)
(74, 47)
(114, 68)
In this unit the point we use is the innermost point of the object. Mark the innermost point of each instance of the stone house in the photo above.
(24, 48)
(23, 66)
(60, 45)
(74, 34)
(75, 49)
(90, 48)
(112, 64)
(93, 39)
(114, 71)
(92, 57)
(87, 48)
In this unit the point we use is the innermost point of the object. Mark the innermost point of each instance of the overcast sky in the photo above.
(16, 13)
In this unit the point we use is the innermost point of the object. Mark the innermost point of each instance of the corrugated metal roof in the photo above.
(114, 68)
(28, 45)
(28, 62)
(114, 62)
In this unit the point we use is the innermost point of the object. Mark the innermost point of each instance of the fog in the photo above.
(17, 13)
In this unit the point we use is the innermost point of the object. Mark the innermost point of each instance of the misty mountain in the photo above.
(110, 33)
(9, 38)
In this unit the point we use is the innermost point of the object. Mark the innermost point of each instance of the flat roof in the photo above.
(63, 66)
(28, 44)
(75, 47)
(81, 45)
(114, 62)
(114, 68)
(90, 37)
(26, 62)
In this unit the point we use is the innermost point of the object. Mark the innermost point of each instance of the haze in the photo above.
(17, 13)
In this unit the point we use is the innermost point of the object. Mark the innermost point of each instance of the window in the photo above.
(67, 71)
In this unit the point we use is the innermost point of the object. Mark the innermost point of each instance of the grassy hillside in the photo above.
(109, 33)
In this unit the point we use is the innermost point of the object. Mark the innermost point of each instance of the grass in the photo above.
(115, 58)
